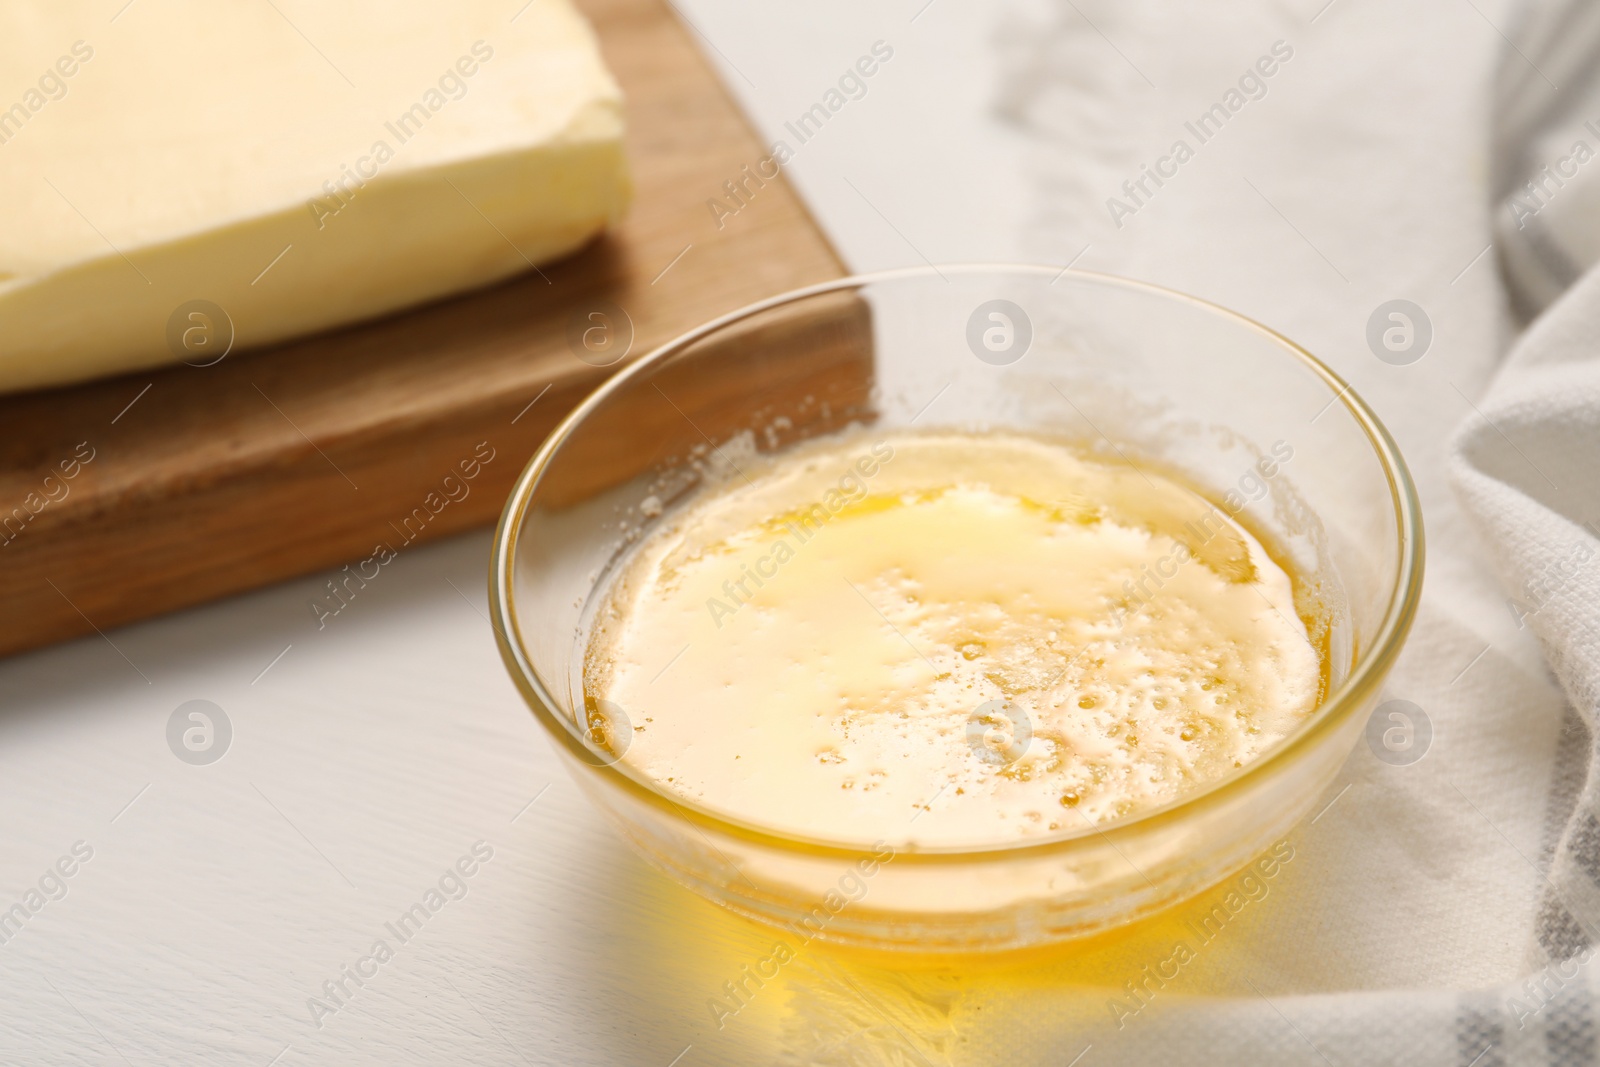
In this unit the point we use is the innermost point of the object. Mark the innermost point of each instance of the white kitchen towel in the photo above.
(1547, 132)
(1442, 912)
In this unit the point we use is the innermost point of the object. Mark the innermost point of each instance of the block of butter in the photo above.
(181, 177)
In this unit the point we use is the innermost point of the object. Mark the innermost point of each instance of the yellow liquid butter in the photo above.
(947, 639)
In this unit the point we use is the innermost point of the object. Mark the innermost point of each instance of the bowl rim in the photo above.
(1367, 673)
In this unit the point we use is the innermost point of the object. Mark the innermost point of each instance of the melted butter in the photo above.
(948, 639)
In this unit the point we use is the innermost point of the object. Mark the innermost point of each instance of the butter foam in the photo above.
(947, 639)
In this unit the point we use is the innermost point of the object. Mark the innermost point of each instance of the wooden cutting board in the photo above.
(208, 481)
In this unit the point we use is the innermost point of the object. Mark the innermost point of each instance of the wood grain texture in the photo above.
(285, 461)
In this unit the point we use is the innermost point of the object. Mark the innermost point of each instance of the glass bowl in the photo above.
(1130, 370)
